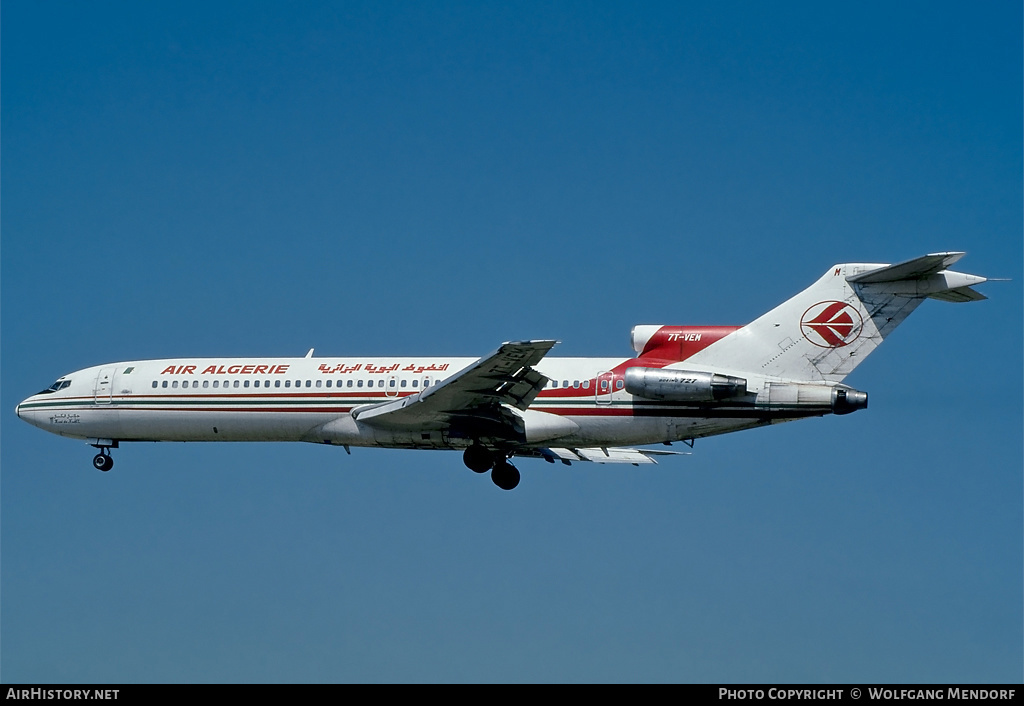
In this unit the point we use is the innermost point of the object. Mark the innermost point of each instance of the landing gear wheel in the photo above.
(102, 462)
(478, 459)
(505, 475)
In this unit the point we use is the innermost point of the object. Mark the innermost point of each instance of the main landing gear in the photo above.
(479, 460)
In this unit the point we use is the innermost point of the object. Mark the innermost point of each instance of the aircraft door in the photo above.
(104, 388)
(392, 386)
(604, 388)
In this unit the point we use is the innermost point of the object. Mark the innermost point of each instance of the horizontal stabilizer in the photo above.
(911, 269)
(959, 295)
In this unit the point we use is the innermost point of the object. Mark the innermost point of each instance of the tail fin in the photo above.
(825, 331)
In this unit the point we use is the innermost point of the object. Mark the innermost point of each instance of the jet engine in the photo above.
(838, 399)
(683, 385)
(846, 400)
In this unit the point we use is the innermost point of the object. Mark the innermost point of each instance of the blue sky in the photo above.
(406, 179)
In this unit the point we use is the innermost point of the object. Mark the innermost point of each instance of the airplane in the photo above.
(684, 383)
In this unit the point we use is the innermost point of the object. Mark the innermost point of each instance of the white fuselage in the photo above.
(311, 399)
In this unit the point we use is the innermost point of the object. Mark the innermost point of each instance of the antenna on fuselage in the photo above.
(310, 353)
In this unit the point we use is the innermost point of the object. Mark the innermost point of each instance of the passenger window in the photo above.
(174, 384)
(403, 383)
(619, 384)
(256, 384)
(245, 384)
(391, 383)
(359, 384)
(586, 384)
(277, 383)
(216, 383)
(318, 382)
(350, 383)
(206, 383)
(287, 383)
(565, 383)
(308, 382)
(328, 383)
(576, 384)
(164, 385)
(415, 383)
(154, 383)
(604, 385)
(235, 384)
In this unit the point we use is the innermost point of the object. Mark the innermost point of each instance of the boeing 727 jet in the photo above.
(685, 382)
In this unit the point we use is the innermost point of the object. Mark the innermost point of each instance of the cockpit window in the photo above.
(59, 385)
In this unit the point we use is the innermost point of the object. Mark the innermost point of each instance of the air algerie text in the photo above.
(226, 370)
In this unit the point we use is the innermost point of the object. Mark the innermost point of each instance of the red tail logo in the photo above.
(831, 324)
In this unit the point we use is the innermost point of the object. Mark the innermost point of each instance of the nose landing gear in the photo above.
(103, 461)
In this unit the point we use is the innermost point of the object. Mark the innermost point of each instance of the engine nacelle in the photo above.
(846, 400)
(641, 334)
(683, 385)
(838, 399)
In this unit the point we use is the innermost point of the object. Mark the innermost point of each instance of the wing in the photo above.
(599, 455)
(471, 401)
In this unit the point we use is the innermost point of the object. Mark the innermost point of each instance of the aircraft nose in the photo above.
(26, 413)
(22, 410)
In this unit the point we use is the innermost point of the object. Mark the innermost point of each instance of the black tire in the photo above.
(505, 475)
(478, 459)
(102, 462)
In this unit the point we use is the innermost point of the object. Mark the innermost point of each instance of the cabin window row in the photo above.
(619, 384)
(391, 383)
(195, 384)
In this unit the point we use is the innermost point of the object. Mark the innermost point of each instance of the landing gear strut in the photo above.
(103, 461)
